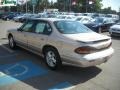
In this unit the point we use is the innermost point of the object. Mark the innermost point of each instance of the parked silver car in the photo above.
(62, 41)
(115, 30)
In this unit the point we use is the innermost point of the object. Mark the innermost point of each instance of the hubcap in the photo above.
(51, 59)
(11, 42)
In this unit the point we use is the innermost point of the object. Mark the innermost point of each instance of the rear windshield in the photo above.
(71, 27)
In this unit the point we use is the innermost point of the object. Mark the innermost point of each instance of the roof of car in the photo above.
(47, 19)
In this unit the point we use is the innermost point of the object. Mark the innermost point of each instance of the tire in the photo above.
(7, 19)
(52, 58)
(99, 30)
(12, 44)
(112, 35)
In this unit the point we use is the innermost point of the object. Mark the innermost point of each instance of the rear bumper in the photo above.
(98, 61)
(92, 59)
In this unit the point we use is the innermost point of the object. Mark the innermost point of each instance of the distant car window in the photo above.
(118, 23)
(78, 19)
(28, 27)
(85, 20)
(68, 17)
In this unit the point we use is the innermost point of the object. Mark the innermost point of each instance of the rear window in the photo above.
(71, 27)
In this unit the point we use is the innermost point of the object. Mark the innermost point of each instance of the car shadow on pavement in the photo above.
(116, 37)
(71, 74)
(44, 78)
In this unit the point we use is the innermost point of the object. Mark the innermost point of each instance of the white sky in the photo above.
(114, 4)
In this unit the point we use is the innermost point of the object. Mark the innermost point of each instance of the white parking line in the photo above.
(4, 47)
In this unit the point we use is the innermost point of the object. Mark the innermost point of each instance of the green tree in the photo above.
(42, 4)
(108, 11)
(80, 6)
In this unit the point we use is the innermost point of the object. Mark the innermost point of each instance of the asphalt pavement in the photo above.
(23, 70)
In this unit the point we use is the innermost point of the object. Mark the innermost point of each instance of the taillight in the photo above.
(83, 50)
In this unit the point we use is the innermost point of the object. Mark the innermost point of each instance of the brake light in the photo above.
(83, 50)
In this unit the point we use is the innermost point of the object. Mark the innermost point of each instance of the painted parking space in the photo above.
(11, 73)
(3, 52)
(6, 52)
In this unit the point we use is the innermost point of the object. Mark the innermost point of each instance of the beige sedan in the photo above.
(62, 41)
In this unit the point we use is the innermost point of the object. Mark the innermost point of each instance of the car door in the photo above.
(41, 33)
(23, 32)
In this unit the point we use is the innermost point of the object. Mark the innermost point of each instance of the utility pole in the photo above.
(26, 6)
(86, 7)
(64, 5)
(46, 4)
(33, 9)
(70, 5)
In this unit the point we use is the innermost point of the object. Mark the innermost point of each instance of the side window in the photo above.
(48, 29)
(43, 28)
(28, 26)
(40, 27)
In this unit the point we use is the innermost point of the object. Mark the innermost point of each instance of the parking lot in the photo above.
(22, 70)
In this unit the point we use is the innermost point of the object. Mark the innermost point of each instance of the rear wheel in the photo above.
(7, 19)
(11, 42)
(52, 58)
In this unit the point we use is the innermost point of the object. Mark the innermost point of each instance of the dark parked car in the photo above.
(8, 17)
(89, 22)
(25, 17)
(100, 24)
(93, 26)
(104, 23)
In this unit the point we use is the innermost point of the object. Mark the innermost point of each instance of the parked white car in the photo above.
(115, 30)
(71, 17)
(62, 41)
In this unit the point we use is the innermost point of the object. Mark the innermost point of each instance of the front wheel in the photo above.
(52, 58)
(11, 42)
(7, 19)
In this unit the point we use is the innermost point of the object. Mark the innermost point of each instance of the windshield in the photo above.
(99, 20)
(71, 27)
